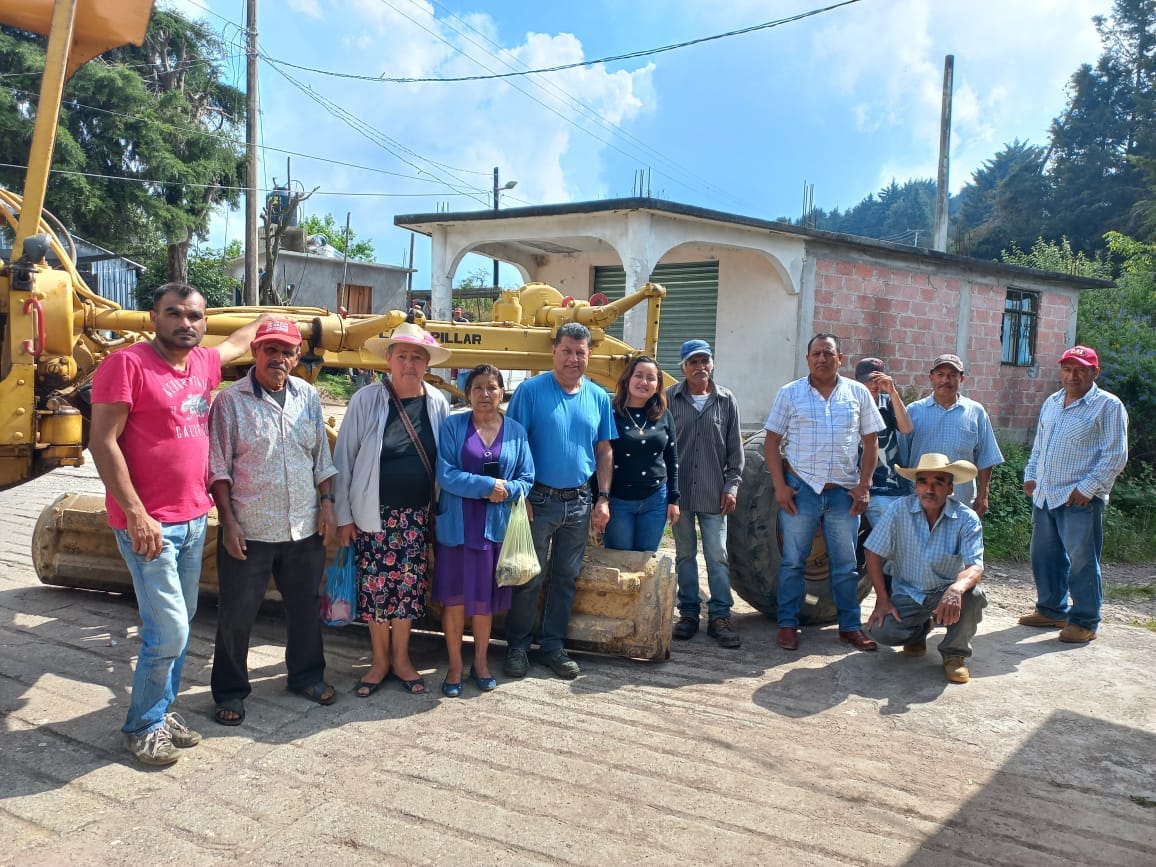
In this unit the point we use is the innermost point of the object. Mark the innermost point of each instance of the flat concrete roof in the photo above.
(425, 224)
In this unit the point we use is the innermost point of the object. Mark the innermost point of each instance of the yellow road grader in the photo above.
(56, 331)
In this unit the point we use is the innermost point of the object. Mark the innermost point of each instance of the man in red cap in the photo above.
(271, 475)
(1081, 445)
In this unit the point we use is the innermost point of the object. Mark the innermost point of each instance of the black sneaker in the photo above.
(517, 663)
(685, 628)
(561, 664)
(720, 629)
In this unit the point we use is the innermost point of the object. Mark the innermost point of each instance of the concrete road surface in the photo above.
(753, 756)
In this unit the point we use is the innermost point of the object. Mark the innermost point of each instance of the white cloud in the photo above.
(531, 126)
(310, 8)
(888, 59)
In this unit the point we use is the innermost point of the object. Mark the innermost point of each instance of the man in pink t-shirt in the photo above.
(150, 443)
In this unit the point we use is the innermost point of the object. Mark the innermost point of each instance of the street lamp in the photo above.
(508, 185)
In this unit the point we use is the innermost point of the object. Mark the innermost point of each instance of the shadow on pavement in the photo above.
(889, 677)
(66, 662)
(1079, 790)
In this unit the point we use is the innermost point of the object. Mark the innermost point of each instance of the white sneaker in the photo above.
(181, 735)
(153, 747)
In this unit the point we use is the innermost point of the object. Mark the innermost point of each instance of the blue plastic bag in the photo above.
(338, 601)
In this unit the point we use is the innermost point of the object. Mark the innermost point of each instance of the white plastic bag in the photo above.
(518, 562)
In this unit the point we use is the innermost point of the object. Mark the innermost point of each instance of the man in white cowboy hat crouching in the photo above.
(933, 545)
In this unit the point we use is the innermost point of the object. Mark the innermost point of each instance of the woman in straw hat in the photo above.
(386, 455)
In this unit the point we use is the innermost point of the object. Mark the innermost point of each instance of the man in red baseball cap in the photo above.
(271, 476)
(1081, 445)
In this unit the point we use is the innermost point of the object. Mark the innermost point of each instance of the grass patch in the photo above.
(1130, 592)
(1147, 623)
(1129, 520)
(335, 386)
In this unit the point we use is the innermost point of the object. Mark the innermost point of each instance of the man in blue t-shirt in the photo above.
(570, 424)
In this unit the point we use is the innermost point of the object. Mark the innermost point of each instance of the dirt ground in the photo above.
(744, 757)
(1009, 586)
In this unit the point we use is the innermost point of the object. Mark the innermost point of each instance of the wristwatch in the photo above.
(328, 497)
(605, 494)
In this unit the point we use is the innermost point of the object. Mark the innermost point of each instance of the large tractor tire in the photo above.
(755, 548)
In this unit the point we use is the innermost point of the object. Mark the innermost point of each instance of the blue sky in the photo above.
(845, 100)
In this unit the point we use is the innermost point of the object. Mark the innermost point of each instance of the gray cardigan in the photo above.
(357, 454)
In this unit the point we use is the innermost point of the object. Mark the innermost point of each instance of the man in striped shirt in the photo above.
(1081, 445)
(933, 545)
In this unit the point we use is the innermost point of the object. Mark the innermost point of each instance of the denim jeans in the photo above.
(831, 509)
(560, 529)
(1066, 547)
(297, 568)
(636, 525)
(166, 595)
(914, 614)
(714, 551)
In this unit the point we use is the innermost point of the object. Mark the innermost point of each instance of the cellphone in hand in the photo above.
(493, 469)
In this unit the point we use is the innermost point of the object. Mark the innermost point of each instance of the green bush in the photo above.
(1007, 526)
(1129, 521)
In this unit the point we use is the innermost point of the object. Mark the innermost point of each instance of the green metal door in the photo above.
(688, 311)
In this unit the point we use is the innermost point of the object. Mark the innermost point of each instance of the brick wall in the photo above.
(907, 317)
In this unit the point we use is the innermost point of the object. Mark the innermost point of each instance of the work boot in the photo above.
(917, 645)
(1073, 634)
(154, 747)
(561, 664)
(686, 628)
(1037, 619)
(517, 663)
(720, 629)
(955, 668)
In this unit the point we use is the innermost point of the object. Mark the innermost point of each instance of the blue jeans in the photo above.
(636, 525)
(1066, 547)
(166, 595)
(560, 529)
(831, 509)
(714, 551)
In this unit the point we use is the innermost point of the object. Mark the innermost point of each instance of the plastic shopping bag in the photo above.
(518, 562)
(338, 601)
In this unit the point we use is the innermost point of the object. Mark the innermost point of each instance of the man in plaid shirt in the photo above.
(933, 545)
(1081, 445)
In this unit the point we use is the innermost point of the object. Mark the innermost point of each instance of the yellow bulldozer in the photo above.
(56, 331)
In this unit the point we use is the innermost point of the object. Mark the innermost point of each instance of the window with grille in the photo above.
(1018, 338)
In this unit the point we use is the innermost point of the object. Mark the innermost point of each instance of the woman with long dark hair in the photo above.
(644, 487)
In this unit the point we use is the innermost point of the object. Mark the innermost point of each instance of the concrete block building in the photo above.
(758, 289)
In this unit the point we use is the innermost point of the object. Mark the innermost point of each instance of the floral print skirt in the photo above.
(391, 566)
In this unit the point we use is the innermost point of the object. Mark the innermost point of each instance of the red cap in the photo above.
(281, 330)
(1083, 355)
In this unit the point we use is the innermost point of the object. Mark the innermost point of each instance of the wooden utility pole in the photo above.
(939, 239)
(251, 281)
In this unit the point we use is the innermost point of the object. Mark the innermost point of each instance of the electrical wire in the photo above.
(504, 56)
(632, 55)
(152, 182)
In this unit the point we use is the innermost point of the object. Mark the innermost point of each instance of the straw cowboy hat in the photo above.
(933, 462)
(408, 334)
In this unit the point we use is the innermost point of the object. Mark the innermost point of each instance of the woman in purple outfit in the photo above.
(484, 465)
